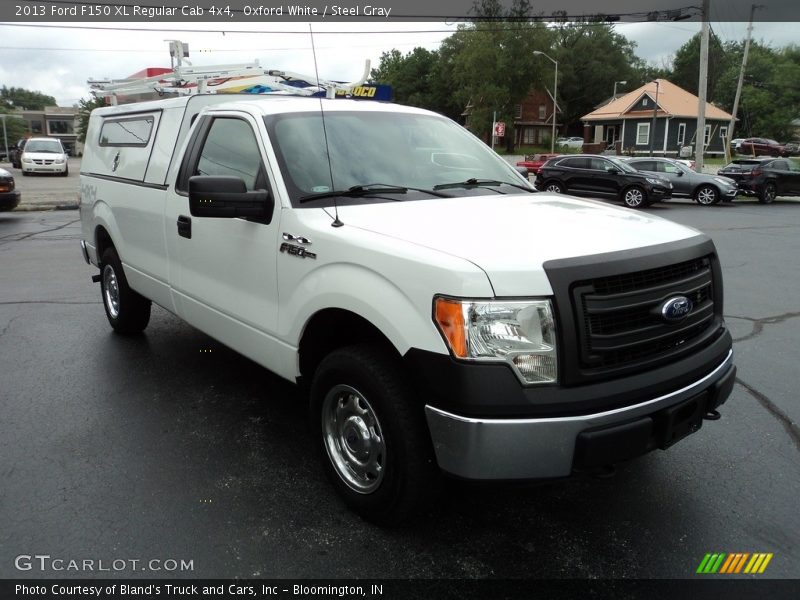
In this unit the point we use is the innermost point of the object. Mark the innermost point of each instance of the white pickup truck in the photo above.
(446, 317)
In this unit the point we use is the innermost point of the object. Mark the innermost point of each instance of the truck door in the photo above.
(223, 270)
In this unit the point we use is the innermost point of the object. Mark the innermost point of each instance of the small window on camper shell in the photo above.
(130, 131)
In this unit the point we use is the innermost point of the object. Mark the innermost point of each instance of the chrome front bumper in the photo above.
(509, 449)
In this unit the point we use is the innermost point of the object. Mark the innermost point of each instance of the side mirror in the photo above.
(612, 170)
(522, 171)
(227, 197)
(679, 173)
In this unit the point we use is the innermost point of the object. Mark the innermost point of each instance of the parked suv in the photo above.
(765, 178)
(761, 147)
(602, 177)
(44, 155)
(704, 189)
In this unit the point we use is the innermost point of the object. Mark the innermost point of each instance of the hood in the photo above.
(511, 236)
(44, 155)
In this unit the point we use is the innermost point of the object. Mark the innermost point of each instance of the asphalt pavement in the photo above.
(169, 446)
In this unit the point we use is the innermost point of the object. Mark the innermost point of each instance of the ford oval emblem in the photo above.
(676, 308)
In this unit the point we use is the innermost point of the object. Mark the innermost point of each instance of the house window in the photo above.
(642, 134)
(518, 111)
(681, 134)
(59, 127)
(542, 112)
(723, 133)
(707, 135)
(644, 101)
(529, 136)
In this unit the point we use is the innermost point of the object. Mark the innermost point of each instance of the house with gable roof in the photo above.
(628, 119)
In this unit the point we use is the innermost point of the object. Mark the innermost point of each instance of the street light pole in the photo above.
(653, 125)
(555, 101)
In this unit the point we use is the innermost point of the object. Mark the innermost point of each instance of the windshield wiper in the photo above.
(358, 191)
(473, 182)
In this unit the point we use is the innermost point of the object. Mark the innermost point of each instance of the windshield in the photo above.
(51, 146)
(413, 151)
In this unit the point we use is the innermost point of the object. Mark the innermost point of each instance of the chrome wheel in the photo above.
(353, 439)
(706, 195)
(555, 188)
(634, 198)
(111, 291)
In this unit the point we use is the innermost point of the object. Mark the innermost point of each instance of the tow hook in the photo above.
(712, 415)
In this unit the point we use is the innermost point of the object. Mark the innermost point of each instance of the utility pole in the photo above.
(741, 81)
(702, 87)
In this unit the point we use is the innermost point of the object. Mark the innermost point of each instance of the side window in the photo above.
(598, 164)
(645, 165)
(668, 168)
(575, 163)
(230, 148)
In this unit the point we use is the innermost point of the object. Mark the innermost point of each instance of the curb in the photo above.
(44, 207)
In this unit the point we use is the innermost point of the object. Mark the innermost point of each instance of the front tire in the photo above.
(372, 435)
(706, 195)
(127, 311)
(634, 197)
(768, 193)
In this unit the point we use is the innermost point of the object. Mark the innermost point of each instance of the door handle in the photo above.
(185, 226)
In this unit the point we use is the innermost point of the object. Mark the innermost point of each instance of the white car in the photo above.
(570, 142)
(44, 155)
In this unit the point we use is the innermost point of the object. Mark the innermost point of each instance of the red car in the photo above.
(534, 162)
(761, 147)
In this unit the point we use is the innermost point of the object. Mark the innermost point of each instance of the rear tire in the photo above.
(127, 311)
(371, 433)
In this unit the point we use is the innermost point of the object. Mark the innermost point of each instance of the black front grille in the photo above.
(619, 321)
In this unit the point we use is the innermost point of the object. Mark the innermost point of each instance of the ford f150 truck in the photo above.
(445, 317)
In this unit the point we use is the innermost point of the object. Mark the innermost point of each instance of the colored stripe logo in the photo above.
(733, 563)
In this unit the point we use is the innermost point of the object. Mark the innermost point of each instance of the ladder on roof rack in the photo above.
(188, 79)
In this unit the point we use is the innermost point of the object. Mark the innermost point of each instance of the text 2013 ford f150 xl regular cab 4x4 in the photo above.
(447, 318)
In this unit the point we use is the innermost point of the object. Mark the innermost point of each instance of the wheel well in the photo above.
(334, 328)
(103, 240)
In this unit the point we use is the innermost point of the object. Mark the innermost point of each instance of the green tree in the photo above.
(16, 127)
(85, 107)
(771, 93)
(686, 65)
(591, 57)
(416, 80)
(494, 68)
(26, 99)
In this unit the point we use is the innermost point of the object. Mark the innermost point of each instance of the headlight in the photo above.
(59, 161)
(25, 159)
(519, 332)
(727, 182)
(655, 181)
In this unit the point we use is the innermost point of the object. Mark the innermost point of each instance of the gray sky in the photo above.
(58, 61)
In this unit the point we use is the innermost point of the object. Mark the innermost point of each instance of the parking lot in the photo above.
(170, 446)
